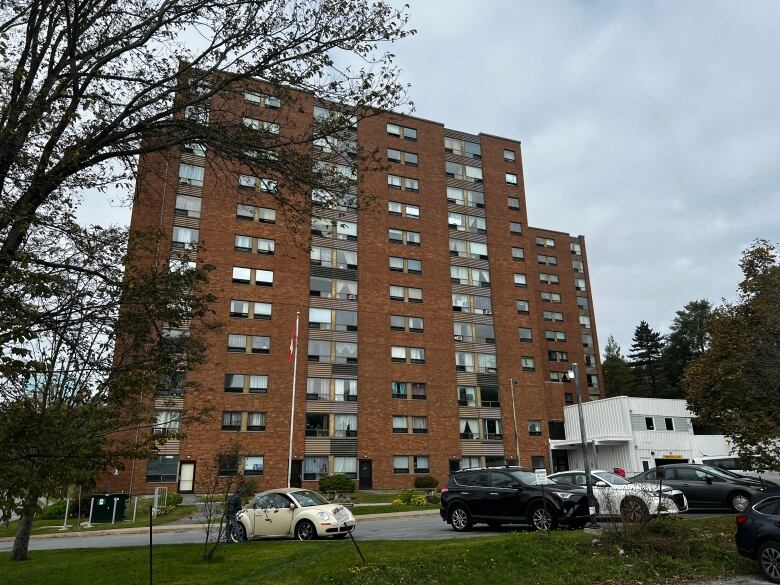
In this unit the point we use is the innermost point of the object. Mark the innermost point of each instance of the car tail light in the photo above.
(741, 519)
(444, 490)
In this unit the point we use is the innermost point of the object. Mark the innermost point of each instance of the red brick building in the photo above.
(415, 313)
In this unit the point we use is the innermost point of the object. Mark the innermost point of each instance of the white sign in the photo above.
(340, 514)
(541, 476)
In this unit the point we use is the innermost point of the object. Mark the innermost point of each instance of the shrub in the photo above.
(56, 510)
(337, 483)
(410, 498)
(175, 499)
(427, 482)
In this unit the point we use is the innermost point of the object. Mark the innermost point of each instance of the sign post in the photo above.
(541, 480)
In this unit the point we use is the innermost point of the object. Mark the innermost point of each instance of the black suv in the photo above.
(758, 532)
(510, 495)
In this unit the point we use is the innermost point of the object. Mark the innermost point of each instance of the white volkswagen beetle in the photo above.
(294, 513)
(616, 496)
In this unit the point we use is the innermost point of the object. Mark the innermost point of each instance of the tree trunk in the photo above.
(22, 540)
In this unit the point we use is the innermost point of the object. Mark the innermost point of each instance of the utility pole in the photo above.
(514, 418)
(575, 373)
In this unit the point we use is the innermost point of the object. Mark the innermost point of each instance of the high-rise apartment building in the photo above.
(436, 325)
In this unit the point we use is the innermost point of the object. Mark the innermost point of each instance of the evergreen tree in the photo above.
(687, 340)
(617, 372)
(645, 359)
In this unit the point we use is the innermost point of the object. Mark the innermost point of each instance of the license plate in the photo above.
(340, 514)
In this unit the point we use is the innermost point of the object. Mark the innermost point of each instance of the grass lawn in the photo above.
(675, 551)
(142, 519)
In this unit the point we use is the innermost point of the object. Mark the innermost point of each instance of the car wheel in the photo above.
(460, 518)
(769, 557)
(237, 533)
(739, 502)
(542, 518)
(634, 511)
(305, 530)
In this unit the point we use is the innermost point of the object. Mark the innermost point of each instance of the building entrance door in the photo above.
(187, 477)
(364, 474)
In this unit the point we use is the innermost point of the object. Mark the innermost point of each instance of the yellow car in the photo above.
(294, 513)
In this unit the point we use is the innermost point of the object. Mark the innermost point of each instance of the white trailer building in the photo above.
(634, 434)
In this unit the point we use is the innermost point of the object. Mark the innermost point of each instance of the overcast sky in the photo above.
(652, 128)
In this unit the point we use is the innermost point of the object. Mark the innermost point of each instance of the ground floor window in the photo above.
(254, 465)
(164, 468)
(315, 467)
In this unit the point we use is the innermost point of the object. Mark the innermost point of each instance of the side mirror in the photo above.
(291, 506)
(601, 484)
(517, 486)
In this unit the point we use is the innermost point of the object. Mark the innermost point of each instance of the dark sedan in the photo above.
(510, 495)
(758, 533)
(705, 486)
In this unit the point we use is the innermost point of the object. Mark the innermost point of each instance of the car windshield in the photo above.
(611, 478)
(529, 478)
(307, 498)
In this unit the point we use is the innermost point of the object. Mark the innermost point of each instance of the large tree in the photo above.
(687, 340)
(735, 384)
(645, 357)
(85, 88)
(617, 372)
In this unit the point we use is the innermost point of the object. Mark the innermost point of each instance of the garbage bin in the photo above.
(103, 508)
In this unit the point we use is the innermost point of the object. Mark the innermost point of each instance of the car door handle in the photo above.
(464, 493)
(493, 493)
(686, 485)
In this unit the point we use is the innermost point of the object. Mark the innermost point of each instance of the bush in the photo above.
(337, 483)
(410, 498)
(56, 510)
(426, 482)
(175, 499)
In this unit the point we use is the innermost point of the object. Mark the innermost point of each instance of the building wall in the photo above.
(537, 396)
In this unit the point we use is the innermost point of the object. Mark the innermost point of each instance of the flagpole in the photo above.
(292, 408)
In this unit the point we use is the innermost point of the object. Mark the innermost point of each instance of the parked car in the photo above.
(705, 486)
(616, 496)
(294, 513)
(758, 533)
(733, 465)
(510, 495)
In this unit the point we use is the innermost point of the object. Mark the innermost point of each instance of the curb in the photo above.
(185, 527)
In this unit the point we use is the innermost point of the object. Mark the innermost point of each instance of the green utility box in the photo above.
(103, 507)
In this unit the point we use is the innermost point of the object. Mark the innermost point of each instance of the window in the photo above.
(549, 297)
(469, 428)
(345, 425)
(344, 259)
(420, 425)
(465, 197)
(579, 284)
(537, 462)
(256, 183)
(166, 420)
(535, 428)
(315, 468)
(409, 265)
(255, 421)
(187, 206)
(406, 294)
(252, 213)
(669, 423)
(525, 334)
(488, 397)
(231, 421)
(568, 398)
(545, 242)
(513, 203)
(258, 384)
(332, 288)
(263, 277)
(518, 254)
(592, 381)
(464, 361)
(520, 280)
(528, 363)
(255, 124)
(584, 321)
(403, 323)
(421, 464)
(578, 266)
(553, 316)
(462, 147)
(466, 223)
(399, 156)
(467, 396)
(234, 382)
(575, 248)
(587, 341)
(326, 228)
(486, 363)
(164, 468)
(400, 424)
(515, 228)
(548, 278)
(403, 237)
(194, 148)
(237, 343)
(476, 304)
(470, 276)
(582, 303)
(509, 155)
(345, 466)
(511, 179)
(403, 210)
(242, 275)
(491, 429)
(522, 307)
(403, 183)
(400, 464)
(558, 356)
(463, 172)
(555, 335)
(191, 175)
(408, 355)
(254, 465)
(549, 260)
(399, 390)
(559, 377)
(649, 423)
(402, 132)
(590, 360)
(184, 237)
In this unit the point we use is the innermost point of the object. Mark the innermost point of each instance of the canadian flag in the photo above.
(293, 341)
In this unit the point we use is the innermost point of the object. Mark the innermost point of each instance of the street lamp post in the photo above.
(575, 373)
(514, 419)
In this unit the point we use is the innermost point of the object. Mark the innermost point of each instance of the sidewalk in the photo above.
(193, 524)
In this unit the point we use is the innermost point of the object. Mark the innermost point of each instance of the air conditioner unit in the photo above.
(458, 338)
(352, 297)
(488, 312)
(158, 431)
(491, 370)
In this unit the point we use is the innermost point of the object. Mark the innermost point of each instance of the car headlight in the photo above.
(324, 515)
(564, 495)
